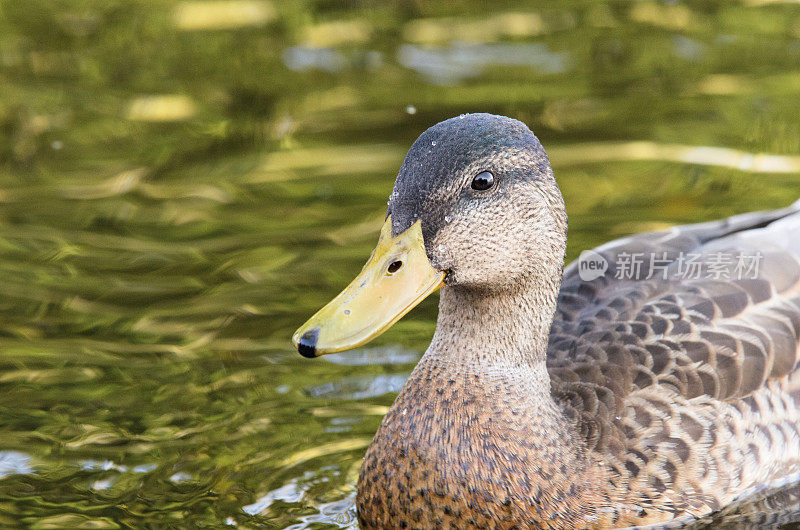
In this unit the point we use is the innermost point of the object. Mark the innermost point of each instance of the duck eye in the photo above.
(483, 181)
(394, 266)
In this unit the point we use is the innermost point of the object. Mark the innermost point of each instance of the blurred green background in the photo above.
(183, 183)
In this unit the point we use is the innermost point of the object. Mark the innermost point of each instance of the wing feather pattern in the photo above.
(687, 384)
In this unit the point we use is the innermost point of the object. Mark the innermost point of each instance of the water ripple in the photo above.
(359, 387)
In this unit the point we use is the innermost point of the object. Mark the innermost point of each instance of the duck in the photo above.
(596, 395)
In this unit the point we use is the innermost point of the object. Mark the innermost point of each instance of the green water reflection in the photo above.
(182, 184)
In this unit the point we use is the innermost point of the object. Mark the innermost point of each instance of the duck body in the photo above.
(635, 428)
(500, 462)
(551, 400)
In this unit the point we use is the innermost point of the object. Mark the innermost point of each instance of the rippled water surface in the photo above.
(182, 184)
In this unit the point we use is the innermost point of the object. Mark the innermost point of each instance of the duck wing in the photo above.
(712, 309)
(687, 381)
(666, 335)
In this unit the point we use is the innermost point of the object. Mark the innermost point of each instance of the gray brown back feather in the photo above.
(687, 385)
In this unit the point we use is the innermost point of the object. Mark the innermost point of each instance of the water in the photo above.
(182, 184)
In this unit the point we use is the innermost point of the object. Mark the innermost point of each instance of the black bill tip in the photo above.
(307, 345)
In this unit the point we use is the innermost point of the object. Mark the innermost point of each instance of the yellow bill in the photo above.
(397, 277)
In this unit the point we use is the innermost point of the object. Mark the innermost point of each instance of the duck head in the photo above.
(475, 205)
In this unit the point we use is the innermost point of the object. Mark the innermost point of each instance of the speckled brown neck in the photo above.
(475, 438)
(482, 330)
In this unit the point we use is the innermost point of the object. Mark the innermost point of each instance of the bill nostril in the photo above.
(394, 266)
(307, 344)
